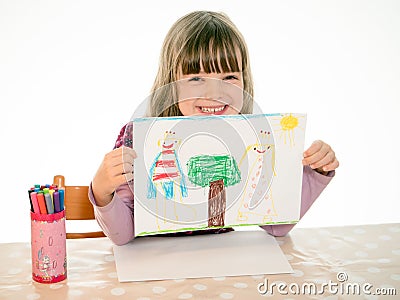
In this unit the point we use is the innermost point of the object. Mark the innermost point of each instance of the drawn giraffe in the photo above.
(256, 204)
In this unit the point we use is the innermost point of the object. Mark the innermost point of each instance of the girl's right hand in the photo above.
(116, 169)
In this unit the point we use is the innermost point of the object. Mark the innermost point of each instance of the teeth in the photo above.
(212, 109)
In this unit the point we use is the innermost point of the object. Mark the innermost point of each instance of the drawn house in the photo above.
(216, 172)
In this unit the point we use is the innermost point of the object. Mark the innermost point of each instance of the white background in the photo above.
(72, 73)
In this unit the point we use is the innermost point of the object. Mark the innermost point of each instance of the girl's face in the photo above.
(210, 93)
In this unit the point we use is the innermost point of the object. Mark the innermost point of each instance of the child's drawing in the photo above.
(256, 204)
(286, 127)
(166, 169)
(217, 171)
(166, 181)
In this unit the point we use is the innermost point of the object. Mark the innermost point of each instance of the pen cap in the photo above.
(48, 247)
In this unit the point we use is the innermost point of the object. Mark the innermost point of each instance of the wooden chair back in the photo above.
(77, 207)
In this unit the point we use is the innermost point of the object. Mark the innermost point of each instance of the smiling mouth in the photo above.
(216, 110)
(169, 146)
(261, 151)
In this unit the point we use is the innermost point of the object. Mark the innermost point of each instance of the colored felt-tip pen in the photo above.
(51, 192)
(35, 203)
(42, 203)
(61, 194)
(30, 201)
(49, 203)
(56, 201)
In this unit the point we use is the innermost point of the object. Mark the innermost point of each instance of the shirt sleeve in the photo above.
(116, 218)
(313, 185)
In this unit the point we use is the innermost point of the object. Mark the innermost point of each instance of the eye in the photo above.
(195, 79)
(231, 77)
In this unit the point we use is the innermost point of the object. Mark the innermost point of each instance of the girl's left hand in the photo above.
(320, 157)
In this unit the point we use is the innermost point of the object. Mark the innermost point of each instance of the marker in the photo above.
(56, 201)
(34, 202)
(51, 192)
(29, 193)
(42, 203)
(49, 203)
(61, 195)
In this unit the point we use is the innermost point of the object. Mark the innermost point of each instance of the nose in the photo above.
(213, 89)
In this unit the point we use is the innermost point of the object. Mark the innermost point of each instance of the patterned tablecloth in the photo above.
(337, 260)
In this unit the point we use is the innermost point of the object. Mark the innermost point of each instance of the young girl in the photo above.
(202, 45)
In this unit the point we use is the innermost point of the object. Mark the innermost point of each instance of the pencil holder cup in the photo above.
(48, 245)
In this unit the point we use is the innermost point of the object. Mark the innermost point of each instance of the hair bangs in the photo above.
(214, 49)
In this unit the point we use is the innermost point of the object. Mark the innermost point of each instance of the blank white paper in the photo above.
(234, 253)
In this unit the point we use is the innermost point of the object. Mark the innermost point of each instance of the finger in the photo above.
(315, 147)
(129, 156)
(128, 177)
(329, 158)
(119, 158)
(114, 162)
(122, 151)
(331, 166)
(317, 156)
(122, 179)
(128, 168)
(121, 169)
(129, 151)
(113, 158)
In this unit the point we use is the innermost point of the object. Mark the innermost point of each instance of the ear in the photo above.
(158, 142)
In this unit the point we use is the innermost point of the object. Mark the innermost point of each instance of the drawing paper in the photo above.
(212, 255)
(217, 171)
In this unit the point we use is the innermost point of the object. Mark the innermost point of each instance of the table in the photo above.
(348, 256)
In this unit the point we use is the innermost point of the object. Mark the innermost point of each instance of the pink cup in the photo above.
(48, 244)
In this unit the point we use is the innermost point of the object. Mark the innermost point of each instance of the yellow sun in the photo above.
(286, 127)
(289, 122)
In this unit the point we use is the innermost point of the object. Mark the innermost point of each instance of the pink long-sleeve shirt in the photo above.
(116, 218)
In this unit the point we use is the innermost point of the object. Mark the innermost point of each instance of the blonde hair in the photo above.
(199, 39)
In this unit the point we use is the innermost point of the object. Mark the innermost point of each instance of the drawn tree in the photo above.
(217, 172)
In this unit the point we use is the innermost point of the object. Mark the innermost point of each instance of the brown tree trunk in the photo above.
(216, 203)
